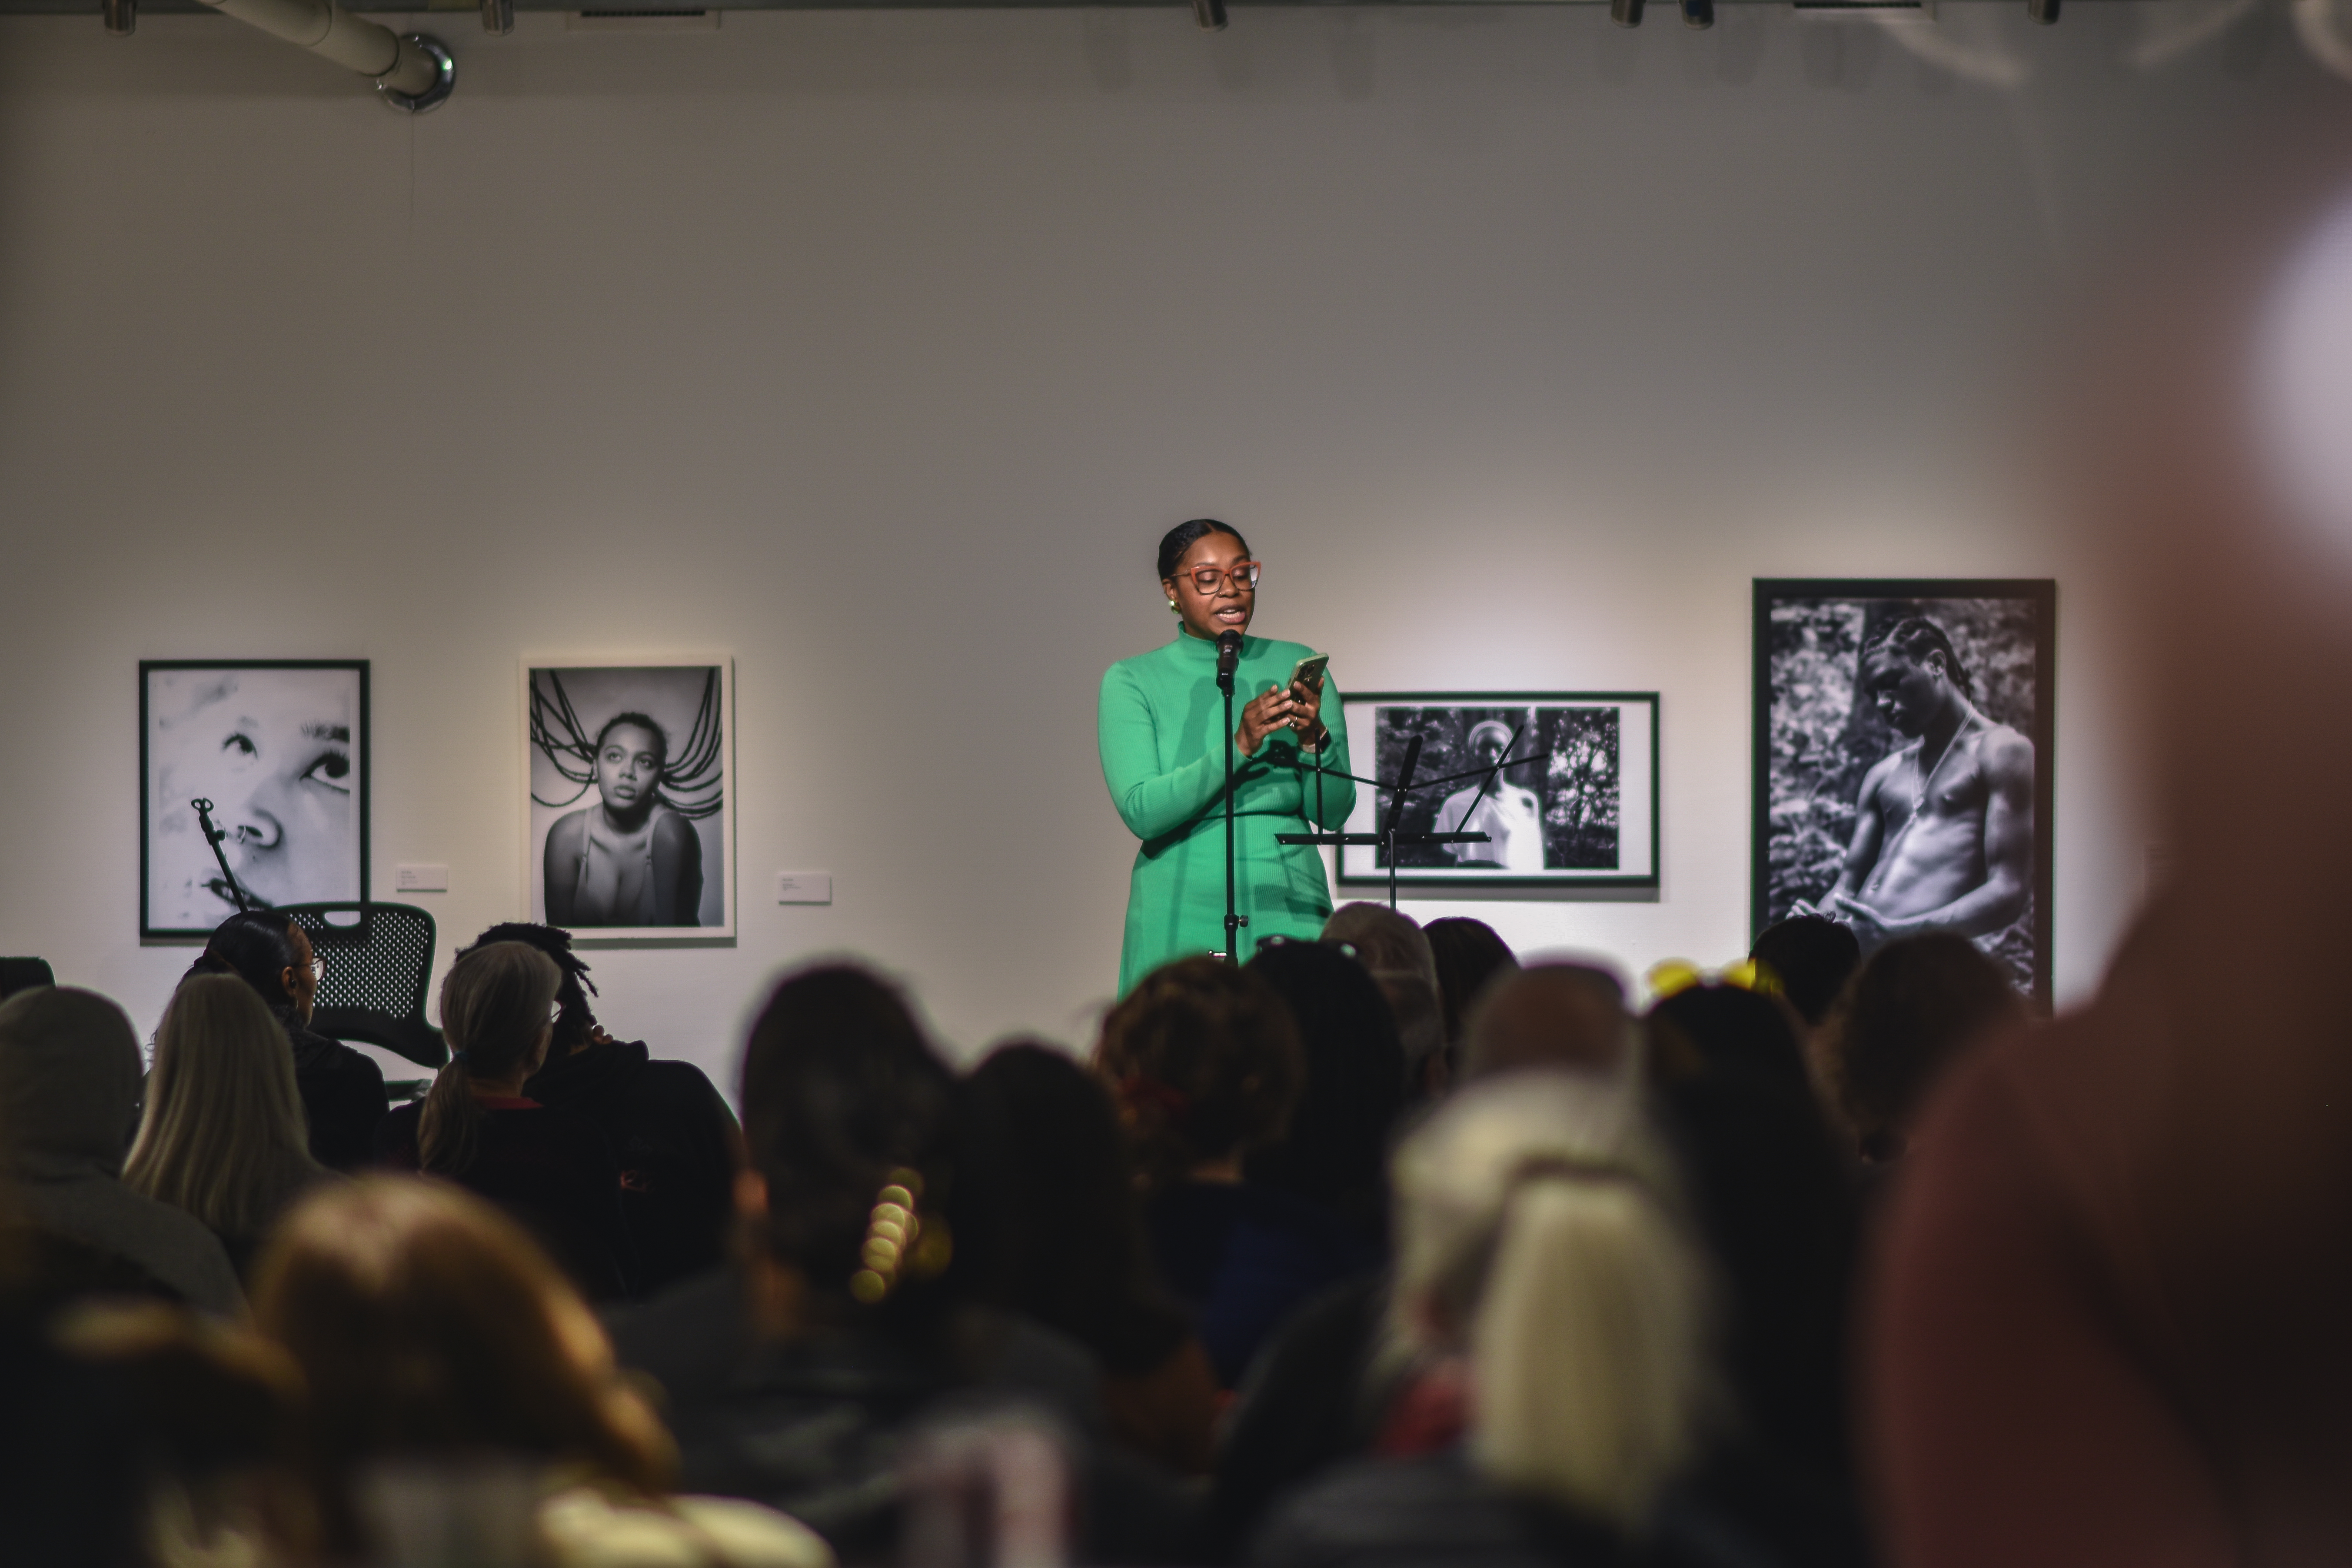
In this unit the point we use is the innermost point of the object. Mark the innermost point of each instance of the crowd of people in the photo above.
(1378, 1249)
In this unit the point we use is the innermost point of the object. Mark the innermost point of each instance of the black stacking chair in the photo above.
(24, 974)
(379, 958)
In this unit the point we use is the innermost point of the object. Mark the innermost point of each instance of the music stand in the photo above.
(1389, 837)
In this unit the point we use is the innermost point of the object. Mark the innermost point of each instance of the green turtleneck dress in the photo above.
(1161, 725)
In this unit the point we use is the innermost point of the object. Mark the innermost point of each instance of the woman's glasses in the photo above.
(1206, 578)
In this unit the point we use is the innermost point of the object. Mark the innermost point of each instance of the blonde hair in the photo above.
(496, 1007)
(1539, 1227)
(223, 1135)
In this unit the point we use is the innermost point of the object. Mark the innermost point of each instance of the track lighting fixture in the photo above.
(1625, 12)
(121, 17)
(497, 16)
(2042, 11)
(1210, 14)
(1698, 14)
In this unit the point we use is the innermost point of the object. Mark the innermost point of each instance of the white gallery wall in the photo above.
(878, 350)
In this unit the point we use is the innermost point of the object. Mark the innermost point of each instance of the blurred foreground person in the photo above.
(671, 1133)
(68, 1093)
(1552, 1016)
(343, 1097)
(549, 1167)
(221, 1136)
(1543, 1261)
(450, 1367)
(1468, 953)
(1775, 1203)
(2109, 1313)
(1912, 1011)
(1813, 957)
(1393, 950)
(1056, 1232)
(806, 1378)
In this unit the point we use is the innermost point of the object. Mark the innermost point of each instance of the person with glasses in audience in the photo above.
(1160, 732)
(343, 1096)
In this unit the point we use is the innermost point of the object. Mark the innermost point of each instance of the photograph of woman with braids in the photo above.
(631, 797)
(1902, 762)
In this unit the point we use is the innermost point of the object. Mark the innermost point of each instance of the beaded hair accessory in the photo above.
(899, 1244)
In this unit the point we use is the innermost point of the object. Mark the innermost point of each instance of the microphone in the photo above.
(1229, 654)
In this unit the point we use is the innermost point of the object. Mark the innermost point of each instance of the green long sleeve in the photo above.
(1164, 743)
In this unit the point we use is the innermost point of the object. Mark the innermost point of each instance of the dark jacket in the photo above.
(343, 1097)
(818, 1425)
(1243, 1256)
(1438, 1510)
(675, 1140)
(552, 1171)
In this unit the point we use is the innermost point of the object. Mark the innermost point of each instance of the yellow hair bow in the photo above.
(1679, 975)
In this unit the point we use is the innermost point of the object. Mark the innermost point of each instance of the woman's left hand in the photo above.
(1307, 711)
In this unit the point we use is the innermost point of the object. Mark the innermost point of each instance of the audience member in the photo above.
(549, 1167)
(673, 1135)
(1776, 1205)
(1335, 1150)
(432, 1334)
(222, 1135)
(343, 1096)
(1205, 1063)
(800, 1379)
(1811, 957)
(68, 1095)
(1544, 1270)
(1393, 950)
(1552, 1016)
(1053, 1231)
(207, 1410)
(1913, 1011)
(1468, 953)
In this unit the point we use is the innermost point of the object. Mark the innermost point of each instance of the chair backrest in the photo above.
(22, 975)
(378, 961)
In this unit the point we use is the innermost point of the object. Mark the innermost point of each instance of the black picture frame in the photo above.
(151, 927)
(1637, 797)
(1786, 851)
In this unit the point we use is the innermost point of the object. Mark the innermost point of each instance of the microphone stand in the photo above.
(212, 836)
(1227, 656)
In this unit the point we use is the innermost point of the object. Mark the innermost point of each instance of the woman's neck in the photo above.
(498, 1088)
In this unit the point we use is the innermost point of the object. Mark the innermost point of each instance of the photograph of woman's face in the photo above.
(273, 750)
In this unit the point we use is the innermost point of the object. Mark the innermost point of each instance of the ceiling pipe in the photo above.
(410, 72)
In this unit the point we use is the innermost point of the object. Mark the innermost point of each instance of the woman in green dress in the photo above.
(1161, 735)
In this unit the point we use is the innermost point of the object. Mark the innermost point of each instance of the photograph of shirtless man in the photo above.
(1943, 838)
(1902, 762)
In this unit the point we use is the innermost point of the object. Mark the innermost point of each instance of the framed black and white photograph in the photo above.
(279, 749)
(1903, 760)
(1564, 785)
(631, 807)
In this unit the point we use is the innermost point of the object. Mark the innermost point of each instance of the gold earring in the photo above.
(1172, 609)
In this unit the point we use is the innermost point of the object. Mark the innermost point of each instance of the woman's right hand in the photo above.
(1262, 717)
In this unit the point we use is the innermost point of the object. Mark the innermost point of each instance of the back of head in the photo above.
(1205, 1064)
(575, 1019)
(842, 1098)
(1398, 955)
(1468, 953)
(428, 1325)
(69, 1082)
(1538, 1225)
(1336, 1151)
(1912, 1011)
(223, 1135)
(258, 946)
(1813, 957)
(1550, 1015)
(495, 1006)
(1046, 1204)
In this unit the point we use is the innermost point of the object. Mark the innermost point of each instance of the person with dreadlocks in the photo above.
(676, 1140)
(1943, 837)
(633, 859)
